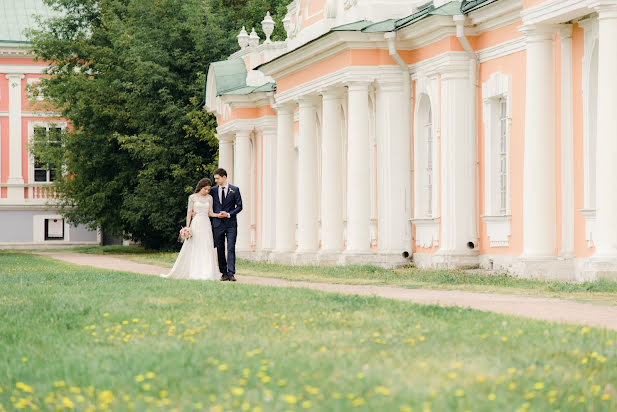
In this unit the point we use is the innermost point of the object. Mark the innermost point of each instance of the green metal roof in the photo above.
(230, 75)
(17, 16)
(471, 5)
(356, 26)
(231, 79)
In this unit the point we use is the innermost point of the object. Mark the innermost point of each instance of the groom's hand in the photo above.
(224, 214)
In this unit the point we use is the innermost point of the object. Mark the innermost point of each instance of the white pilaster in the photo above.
(332, 172)
(226, 155)
(567, 144)
(15, 142)
(605, 235)
(358, 172)
(243, 181)
(267, 189)
(394, 165)
(539, 194)
(458, 169)
(285, 192)
(308, 200)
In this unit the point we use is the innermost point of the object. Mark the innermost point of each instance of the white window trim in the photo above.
(496, 89)
(31, 126)
(427, 227)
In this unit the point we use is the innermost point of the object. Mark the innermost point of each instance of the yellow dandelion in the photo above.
(139, 378)
(306, 404)
(257, 409)
(265, 379)
(459, 393)
(74, 389)
(581, 399)
(245, 406)
(223, 367)
(150, 375)
(106, 314)
(451, 375)
(512, 386)
(480, 379)
(336, 395)
(290, 399)
(24, 388)
(68, 403)
(146, 386)
(125, 322)
(605, 396)
(323, 349)
(405, 408)
(538, 386)
(282, 382)
(358, 402)
(456, 365)
(504, 338)
(585, 330)
(237, 391)
(360, 375)
(511, 371)
(492, 396)
(59, 384)
(24, 359)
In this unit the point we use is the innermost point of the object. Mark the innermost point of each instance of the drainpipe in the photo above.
(405, 73)
(474, 74)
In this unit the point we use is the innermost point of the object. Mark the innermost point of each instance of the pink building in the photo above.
(457, 133)
(26, 220)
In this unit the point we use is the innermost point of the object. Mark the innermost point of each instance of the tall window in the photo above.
(428, 134)
(503, 157)
(43, 172)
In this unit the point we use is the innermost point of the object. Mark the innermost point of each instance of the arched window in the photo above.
(425, 161)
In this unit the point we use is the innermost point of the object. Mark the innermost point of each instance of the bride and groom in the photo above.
(211, 216)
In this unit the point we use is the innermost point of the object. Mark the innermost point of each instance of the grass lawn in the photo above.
(79, 338)
(599, 292)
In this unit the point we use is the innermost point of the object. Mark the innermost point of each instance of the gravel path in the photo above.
(532, 307)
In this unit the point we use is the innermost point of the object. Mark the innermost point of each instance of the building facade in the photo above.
(26, 219)
(454, 133)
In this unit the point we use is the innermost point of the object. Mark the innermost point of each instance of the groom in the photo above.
(227, 203)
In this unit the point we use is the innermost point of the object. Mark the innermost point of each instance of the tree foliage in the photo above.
(128, 75)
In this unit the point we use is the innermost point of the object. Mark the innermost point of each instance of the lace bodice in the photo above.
(200, 204)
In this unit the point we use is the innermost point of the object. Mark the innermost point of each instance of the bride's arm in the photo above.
(210, 211)
(189, 211)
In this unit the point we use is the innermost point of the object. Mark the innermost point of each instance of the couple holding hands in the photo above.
(210, 225)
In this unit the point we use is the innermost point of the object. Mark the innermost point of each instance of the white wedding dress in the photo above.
(197, 258)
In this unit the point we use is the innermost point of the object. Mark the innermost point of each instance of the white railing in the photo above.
(28, 192)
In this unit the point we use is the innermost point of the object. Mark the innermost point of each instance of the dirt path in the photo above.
(532, 307)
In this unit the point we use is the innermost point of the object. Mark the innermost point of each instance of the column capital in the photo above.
(332, 92)
(539, 32)
(243, 134)
(284, 108)
(308, 101)
(228, 137)
(358, 85)
(565, 31)
(15, 76)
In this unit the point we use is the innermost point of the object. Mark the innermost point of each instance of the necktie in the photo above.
(223, 196)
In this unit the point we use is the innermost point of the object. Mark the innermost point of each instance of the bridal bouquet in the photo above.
(185, 234)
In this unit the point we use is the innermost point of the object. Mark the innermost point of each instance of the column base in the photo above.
(545, 268)
(600, 267)
(447, 260)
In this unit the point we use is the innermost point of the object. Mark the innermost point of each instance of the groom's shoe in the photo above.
(231, 278)
(224, 277)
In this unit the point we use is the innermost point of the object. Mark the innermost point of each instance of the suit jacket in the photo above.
(232, 205)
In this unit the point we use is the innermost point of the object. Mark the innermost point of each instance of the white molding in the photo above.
(494, 16)
(503, 49)
(427, 232)
(262, 123)
(22, 69)
(590, 223)
(34, 114)
(426, 32)
(556, 11)
(498, 230)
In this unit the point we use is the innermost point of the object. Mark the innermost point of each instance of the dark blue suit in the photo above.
(226, 227)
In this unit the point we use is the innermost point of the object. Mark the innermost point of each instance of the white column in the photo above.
(394, 167)
(226, 155)
(458, 172)
(605, 234)
(567, 144)
(332, 172)
(358, 172)
(539, 192)
(267, 188)
(285, 196)
(15, 141)
(308, 198)
(243, 181)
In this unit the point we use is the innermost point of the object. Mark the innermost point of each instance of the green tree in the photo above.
(129, 77)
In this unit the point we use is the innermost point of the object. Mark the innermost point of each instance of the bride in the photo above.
(197, 258)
